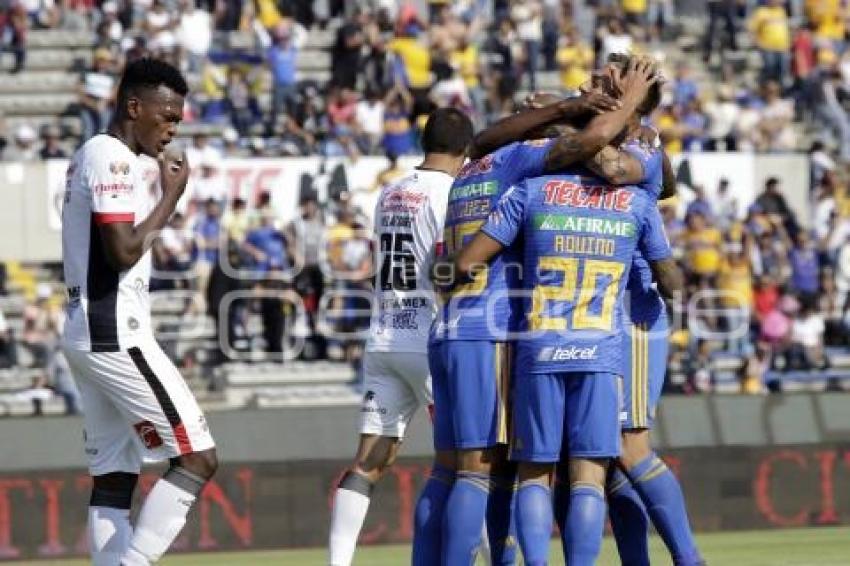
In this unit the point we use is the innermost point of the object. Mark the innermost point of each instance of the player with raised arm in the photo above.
(408, 227)
(470, 419)
(137, 406)
(579, 239)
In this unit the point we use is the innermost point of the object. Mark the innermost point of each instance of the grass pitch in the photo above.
(827, 546)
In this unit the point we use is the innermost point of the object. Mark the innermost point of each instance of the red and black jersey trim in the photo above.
(102, 284)
(164, 400)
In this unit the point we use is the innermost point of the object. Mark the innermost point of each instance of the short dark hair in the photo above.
(147, 73)
(653, 96)
(448, 130)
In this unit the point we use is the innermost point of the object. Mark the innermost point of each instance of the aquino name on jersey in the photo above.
(580, 235)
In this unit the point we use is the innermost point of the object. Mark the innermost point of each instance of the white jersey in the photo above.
(108, 311)
(409, 221)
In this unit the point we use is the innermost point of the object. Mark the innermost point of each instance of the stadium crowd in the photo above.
(779, 293)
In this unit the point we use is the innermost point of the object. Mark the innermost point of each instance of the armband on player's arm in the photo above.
(668, 276)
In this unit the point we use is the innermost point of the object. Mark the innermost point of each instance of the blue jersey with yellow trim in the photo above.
(483, 309)
(645, 304)
(579, 238)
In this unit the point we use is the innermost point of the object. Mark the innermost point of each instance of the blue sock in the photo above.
(534, 522)
(562, 506)
(660, 491)
(428, 517)
(464, 518)
(501, 522)
(629, 520)
(585, 524)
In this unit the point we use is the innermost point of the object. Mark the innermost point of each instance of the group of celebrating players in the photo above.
(550, 259)
(544, 356)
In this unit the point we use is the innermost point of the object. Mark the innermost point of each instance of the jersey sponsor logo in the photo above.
(401, 200)
(600, 197)
(566, 354)
(403, 320)
(475, 190)
(585, 245)
(478, 208)
(571, 223)
(477, 167)
(148, 434)
(113, 189)
(119, 168)
(370, 405)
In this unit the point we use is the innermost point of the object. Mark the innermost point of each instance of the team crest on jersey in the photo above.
(148, 434)
(119, 168)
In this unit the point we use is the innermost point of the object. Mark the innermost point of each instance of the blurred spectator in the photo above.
(398, 133)
(208, 184)
(370, 120)
(207, 241)
(342, 120)
(236, 221)
(242, 105)
(772, 33)
(346, 53)
(172, 254)
(684, 87)
(415, 66)
(282, 57)
(392, 172)
(159, 26)
(527, 15)
(52, 148)
(807, 332)
(378, 68)
(305, 236)
(776, 117)
(201, 150)
(61, 380)
(8, 350)
(575, 60)
(23, 147)
(771, 200)
(615, 39)
(13, 32)
(700, 204)
(722, 117)
(726, 205)
(822, 93)
(504, 48)
(805, 269)
(702, 250)
(42, 322)
(718, 10)
(466, 59)
(194, 33)
(230, 137)
(694, 125)
(294, 140)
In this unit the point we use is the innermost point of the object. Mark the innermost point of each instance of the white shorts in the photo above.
(137, 408)
(397, 384)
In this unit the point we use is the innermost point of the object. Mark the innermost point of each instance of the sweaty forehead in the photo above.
(163, 98)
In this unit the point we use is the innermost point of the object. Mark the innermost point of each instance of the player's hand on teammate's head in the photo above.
(539, 99)
(173, 170)
(641, 73)
(596, 102)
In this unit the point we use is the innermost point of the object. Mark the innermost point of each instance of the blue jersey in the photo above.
(645, 303)
(579, 238)
(483, 309)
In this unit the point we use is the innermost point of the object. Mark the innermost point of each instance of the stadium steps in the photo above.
(52, 59)
(12, 407)
(39, 81)
(54, 39)
(290, 373)
(313, 60)
(30, 103)
(316, 396)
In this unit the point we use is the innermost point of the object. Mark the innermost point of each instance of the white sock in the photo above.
(160, 521)
(347, 516)
(109, 534)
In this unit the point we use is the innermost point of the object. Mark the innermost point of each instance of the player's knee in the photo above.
(203, 464)
(113, 490)
(478, 461)
(635, 449)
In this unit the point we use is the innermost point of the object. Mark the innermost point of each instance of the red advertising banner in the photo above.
(275, 505)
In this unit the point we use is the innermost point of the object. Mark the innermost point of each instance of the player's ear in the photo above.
(133, 107)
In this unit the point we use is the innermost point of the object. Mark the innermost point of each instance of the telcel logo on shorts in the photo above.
(569, 353)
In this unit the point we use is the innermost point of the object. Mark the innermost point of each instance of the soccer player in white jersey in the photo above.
(408, 227)
(136, 404)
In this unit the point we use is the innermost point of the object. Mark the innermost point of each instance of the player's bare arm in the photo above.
(577, 147)
(668, 276)
(124, 243)
(520, 126)
(475, 256)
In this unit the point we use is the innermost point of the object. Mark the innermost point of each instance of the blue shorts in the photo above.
(647, 344)
(471, 384)
(577, 413)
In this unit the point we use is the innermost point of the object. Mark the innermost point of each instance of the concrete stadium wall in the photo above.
(744, 462)
(30, 218)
